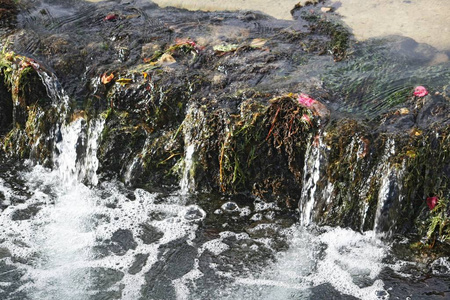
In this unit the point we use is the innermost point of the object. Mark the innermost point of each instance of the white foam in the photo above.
(338, 257)
(441, 266)
(264, 206)
(6, 191)
(216, 247)
(58, 242)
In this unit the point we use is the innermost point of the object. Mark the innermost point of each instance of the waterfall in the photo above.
(187, 181)
(66, 156)
(190, 132)
(311, 176)
(65, 239)
(389, 194)
(88, 167)
(54, 90)
(137, 162)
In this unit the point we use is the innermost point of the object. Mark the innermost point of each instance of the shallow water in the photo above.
(425, 21)
(381, 71)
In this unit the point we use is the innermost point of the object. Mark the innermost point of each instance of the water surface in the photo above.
(426, 21)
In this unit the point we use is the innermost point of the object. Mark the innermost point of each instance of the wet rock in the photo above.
(107, 295)
(397, 122)
(150, 234)
(194, 213)
(8, 12)
(104, 278)
(11, 277)
(441, 266)
(4, 252)
(6, 109)
(328, 291)
(174, 260)
(119, 142)
(230, 207)
(25, 214)
(121, 241)
(247, 252)
(139, 261)
(434, 110)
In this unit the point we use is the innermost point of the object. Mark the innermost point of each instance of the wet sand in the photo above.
(426, 21)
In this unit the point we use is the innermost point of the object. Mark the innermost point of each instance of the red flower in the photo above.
(305, 100)
(420, 91)
(432, 202)
(110, 17)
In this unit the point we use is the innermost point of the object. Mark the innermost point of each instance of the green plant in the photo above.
(438, 223)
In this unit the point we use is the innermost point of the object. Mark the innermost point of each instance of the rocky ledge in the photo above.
(236, 103)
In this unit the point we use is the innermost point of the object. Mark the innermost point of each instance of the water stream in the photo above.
(65, 239)
(68, 233)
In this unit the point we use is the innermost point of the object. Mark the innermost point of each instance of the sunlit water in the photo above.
(426, 21)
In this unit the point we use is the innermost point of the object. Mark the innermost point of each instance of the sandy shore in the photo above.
(426, 21)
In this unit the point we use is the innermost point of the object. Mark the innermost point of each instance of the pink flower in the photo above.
(432, 202)
(420, 91)
(305, 100)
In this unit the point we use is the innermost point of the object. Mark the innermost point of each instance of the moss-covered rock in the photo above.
(26, 106)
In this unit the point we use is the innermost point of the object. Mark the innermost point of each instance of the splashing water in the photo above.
(311, 175)
(316, 266)
(64, 240)
(186, 182)
(72, 241)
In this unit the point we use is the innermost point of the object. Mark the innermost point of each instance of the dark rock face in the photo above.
(6, 110)
(139, 262)
(150, 234)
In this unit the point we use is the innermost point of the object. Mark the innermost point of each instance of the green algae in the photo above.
(262, 141)
(438, 223)
(32, 116)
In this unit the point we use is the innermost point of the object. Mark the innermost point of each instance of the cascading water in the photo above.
(186, 179)
(73, 241)
(105, 241)
(190, 133)
(68, 233)
(89, 165)
(311, 175)
(390, 194)
(64, 241)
